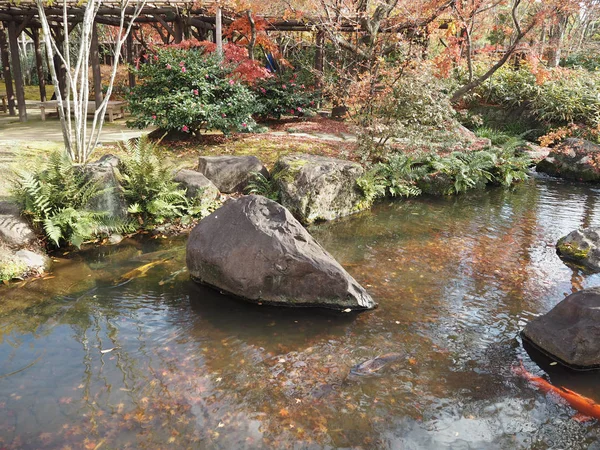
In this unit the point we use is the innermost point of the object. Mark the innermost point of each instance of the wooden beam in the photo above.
(164, 23)
(16, 67)
(10, 94)
(23, 25)
(39, 63)
(95, 60)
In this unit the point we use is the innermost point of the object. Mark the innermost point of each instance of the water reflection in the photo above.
(456, 279)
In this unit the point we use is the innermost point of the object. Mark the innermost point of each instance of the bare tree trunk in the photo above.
(219, 32)
(520, 34)
(252, 38)
(557, 32)
(80, 140)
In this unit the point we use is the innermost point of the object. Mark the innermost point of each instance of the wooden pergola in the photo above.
(173, 21)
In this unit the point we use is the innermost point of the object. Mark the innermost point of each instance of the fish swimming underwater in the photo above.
(374, 365)
(139, 271)
(587, 408)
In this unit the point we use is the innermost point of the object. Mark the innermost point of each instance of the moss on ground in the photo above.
(267, 148)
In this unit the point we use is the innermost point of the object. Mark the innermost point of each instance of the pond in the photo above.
(89, 362)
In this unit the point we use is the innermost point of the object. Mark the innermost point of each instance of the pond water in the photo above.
(456, 280)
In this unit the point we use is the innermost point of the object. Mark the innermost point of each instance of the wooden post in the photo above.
(320, 54)
(178, 30)
(95, 60)
(219, 32)
(35, 33)
(13, 41)
(320, 61)
(10, 93)
(130, 60)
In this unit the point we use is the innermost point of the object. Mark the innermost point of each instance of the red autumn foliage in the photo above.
(246, 70)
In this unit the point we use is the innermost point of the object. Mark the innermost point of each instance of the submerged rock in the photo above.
(253, 248)
(319, 188)
(574, 159)
(581, 247)
(196, 184)
(570, 332)
(231, 173)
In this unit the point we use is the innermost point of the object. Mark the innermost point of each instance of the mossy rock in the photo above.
(574, 159)
(316, 188)
(581, 247)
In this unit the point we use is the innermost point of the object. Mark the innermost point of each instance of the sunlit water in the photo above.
(456, 280)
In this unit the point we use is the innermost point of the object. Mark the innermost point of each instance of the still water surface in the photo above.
(456, 280)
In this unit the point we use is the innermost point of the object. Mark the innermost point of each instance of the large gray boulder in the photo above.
(574, 159)
(231, 173)
(570, 332)
(581, 247)
(104, 172)
(196, 184)
(14, 230)
(253, 248)
(317, 188)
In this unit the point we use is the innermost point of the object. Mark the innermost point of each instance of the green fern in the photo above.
(267, 187)
(56, 197)
(148, 185)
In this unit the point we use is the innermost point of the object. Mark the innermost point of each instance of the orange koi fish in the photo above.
(587, 408)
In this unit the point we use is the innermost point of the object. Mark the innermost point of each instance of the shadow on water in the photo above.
(159, 361)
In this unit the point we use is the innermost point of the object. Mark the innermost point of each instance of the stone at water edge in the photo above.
(574, 159)
(319, 188)
(254, 249)
(570, 332)
(14, 230)
(231, 173)
(581, 247)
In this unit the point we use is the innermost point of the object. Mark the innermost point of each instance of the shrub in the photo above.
(56, 196)
(412, 107)
(555, 98)
(149, 189)
(588, 60)
(282, 94)
(190, 90)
